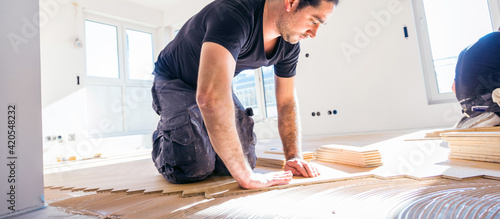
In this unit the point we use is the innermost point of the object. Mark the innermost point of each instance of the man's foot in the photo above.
(487, 119)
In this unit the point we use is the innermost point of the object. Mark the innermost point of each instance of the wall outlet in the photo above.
(71, 137)
(60, 139)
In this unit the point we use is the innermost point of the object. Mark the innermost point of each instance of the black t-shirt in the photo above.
(478, 70)
(237, 26)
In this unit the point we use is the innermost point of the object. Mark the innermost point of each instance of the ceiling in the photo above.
(161, 5)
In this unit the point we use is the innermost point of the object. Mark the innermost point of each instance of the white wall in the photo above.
(64, 102)
(361, 65)
(21, 173)
(180, 13)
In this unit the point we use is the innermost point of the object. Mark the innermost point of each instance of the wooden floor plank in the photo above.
(417, 159)
(344, 154)
(480, 129)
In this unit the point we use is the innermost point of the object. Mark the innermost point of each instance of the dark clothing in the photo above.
(478, 74)
(182, 151)
(237, 26)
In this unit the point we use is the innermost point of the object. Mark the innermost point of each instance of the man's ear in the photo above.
(290, 5)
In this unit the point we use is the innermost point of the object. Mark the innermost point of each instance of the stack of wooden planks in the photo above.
(275, 158)
(478, 146)
(350, 155)
(306, 155)
(437, 134)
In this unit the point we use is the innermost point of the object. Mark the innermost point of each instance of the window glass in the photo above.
(104, 109)
(119, 107)
(137, 111)
(269, 91)
(244, 87)
(101, 50)
(140, 55)
(452, 26)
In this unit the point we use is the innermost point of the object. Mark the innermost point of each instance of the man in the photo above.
(477, 83)
(204, 129)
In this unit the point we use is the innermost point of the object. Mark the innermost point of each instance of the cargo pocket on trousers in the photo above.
(156, 153)
(181, 142)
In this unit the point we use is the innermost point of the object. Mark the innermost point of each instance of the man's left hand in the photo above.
(300, 167)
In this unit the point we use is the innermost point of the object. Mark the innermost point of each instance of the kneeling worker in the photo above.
(204, 129)
(477, 83)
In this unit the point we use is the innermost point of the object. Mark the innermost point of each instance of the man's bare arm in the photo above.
(214, 97)
(289, 128)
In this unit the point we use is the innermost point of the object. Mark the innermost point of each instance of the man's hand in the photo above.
(300, 167)
(257, 180)
(495, 95)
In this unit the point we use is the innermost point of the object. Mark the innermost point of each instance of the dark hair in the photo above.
(314, 3)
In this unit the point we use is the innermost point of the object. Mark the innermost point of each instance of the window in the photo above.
(119, 63)
(102, 50)
(255, 89)
(139, 55)
(269, 91)
(445, 28)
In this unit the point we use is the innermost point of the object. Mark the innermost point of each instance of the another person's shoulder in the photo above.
(491, 38)
(489, 43)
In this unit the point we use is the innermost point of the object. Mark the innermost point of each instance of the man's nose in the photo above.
(312, 32)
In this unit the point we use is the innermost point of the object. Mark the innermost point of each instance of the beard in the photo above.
(284, 27)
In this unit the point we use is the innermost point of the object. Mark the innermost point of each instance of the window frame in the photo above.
(431, 82)
(261, 101)
(262, 115)
(124, 80)
(121, 67)
(137, 28)
(122, 26)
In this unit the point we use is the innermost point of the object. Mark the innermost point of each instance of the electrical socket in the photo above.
(71, 137)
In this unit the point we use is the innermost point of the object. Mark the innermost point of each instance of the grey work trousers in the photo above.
(182, 151)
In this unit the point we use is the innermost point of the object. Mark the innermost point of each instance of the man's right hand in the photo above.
(258, 180)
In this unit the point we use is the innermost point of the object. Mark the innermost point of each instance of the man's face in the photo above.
(297, 25)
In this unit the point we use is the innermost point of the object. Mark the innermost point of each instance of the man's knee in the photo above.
(182, 151)
(182, 163)
(181, 160)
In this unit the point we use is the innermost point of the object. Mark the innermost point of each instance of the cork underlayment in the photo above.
(415, 178)
(361, 198)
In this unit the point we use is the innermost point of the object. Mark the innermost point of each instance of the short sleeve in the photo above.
(227, 26)
(286, 68)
